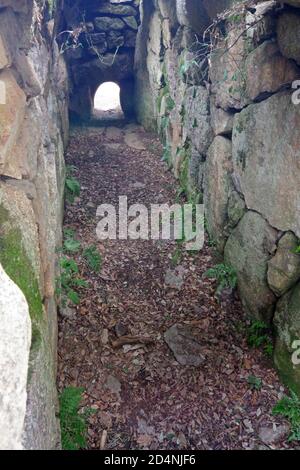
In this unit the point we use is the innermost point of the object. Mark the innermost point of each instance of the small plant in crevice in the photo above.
(254, 382)
(193, 63)
(70, 244)
(195, 124)
(167, 156)
(289, 407)
(72, 185)
(176, 256)
(185, 66)
(297, 249)
(93, 258)
(212, 242)
(73, 422)
(225, 276)
(259, 336)
(69, 281)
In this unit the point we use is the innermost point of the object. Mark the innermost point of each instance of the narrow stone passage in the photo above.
(141, 395)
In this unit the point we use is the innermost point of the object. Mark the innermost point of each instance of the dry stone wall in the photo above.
(220, 94)
(100, 48)
(33, 132)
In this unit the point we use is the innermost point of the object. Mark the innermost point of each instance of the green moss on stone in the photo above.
(242, 122)
(3, 215)
(18, 267)
(289, 373)
(184, 170)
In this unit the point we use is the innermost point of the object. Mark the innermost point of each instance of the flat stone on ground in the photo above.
(134, 141)
(184, 344)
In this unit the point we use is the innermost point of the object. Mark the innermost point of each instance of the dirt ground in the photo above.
(142, 397)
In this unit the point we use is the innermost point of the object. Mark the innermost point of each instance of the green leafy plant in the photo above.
(164, 92)
(254, 382)
(170, 104)
(185, 66)
(167, 156)
(69, 280)
(259, 336)
(289, 407)
(225, 276)
(72, 185)
(93, 258)
(195, 124)
(52, 7)
(297, 250)
(70, 243)
(73, 423)
(176, 256)
(165, 120)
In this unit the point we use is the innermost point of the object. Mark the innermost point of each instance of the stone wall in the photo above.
(33, 133)
(220, 95)
(100, 48)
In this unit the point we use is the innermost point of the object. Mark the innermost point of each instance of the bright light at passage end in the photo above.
(107, 97)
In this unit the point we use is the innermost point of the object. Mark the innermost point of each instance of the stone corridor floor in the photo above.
(141, 396)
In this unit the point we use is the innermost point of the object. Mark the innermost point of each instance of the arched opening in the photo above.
(107, 101)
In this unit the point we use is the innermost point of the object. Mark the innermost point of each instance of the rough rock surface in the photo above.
(268, 71)
(284, 267)
(15, 334)
(226, 71)
(287, 346)
(288, 32)
(267, 150)
(31, 194)
(274, 434)
(248, 250)
(11, 117)
(217, 188)
(184, 344)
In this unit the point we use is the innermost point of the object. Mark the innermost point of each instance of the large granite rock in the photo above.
(144, 100)
(217, 185)
(199, 14)
(235, 210)
(15, 334)
(221, 121)
(284, 267)
(287, 326)
(105, 23)
(11, 34)
(248, 250)
(11, 118)
(266, 152)
(31, 203)
(196, 119)
(268, 71)
(288, 33)
(4, 59)
(227, 70)
(21, 258)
